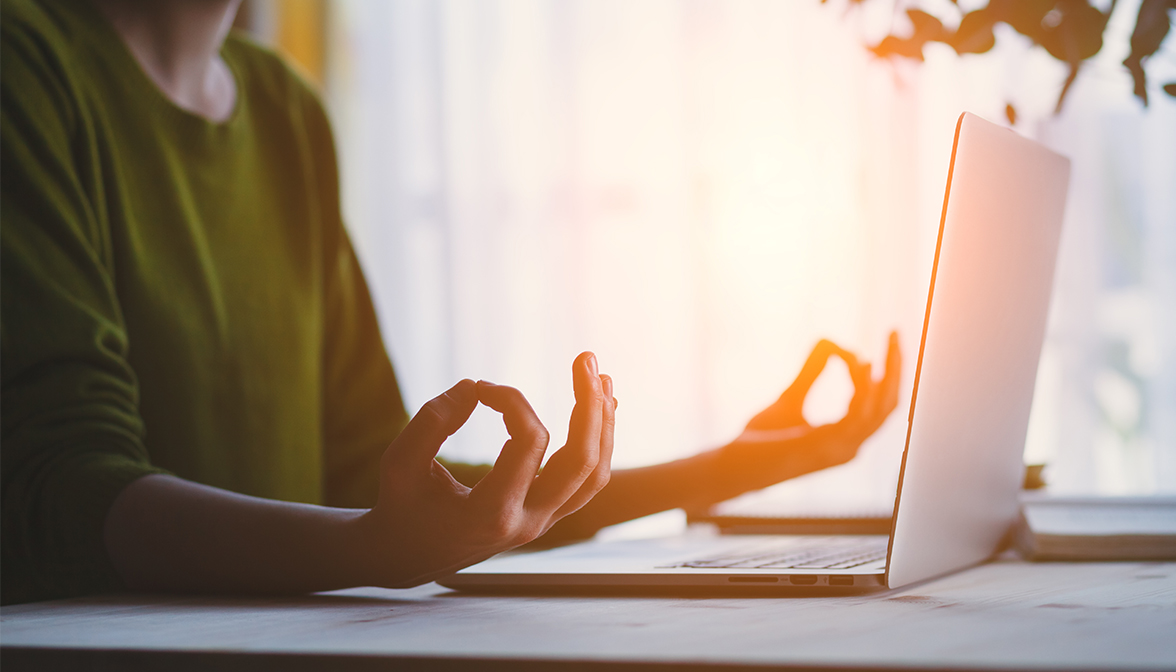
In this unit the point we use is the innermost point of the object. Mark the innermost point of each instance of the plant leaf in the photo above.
(898, 46)
(927, 27)
(1151, 27)
(1025, 16)
(1075, 35)
(974, 36)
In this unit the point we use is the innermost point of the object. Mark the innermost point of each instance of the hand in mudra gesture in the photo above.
(426, 524)
(779, 442)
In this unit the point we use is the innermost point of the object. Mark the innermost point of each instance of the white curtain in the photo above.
(699, 190)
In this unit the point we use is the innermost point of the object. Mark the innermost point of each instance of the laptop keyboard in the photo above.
(820, 553)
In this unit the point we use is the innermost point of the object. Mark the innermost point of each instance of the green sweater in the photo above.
(178, 296)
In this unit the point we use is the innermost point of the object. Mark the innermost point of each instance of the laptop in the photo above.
(961, 468)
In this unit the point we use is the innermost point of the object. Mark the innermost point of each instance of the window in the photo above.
(698, 191)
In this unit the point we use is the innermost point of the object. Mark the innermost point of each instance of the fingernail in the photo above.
(592, 364)
(606, 382)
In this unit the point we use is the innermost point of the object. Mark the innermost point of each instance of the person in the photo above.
(195, 396)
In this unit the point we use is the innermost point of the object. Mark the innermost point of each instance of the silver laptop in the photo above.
(961, 470)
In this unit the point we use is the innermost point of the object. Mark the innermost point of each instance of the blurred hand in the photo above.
(783, 444)
(427, 525)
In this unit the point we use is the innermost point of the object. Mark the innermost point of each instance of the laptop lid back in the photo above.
(982, 336)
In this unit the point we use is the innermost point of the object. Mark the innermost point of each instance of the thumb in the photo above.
(437, 420)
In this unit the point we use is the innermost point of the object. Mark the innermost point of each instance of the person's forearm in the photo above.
(777, 444)
(167, 534)
(693, 483)
(688, 483)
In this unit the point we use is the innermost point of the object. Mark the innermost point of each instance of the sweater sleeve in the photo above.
(72, 436)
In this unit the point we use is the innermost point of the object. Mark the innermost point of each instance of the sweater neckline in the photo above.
(112, 44)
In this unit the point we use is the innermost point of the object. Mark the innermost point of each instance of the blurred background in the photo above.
(698, 190)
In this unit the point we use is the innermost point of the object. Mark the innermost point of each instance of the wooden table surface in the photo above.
(1004, 615)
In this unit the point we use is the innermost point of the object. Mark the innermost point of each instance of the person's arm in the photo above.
(778, 444)
(166, 534)
(72, 436)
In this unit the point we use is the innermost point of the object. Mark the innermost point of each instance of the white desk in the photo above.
(1004, 615)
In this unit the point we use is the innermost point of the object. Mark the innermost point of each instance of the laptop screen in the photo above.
(982, 336)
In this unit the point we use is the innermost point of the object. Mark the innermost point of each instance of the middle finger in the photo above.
(571, 465)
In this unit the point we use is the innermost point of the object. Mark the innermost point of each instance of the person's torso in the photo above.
(215, 242)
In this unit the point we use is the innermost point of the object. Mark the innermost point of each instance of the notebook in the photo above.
(1097, 528)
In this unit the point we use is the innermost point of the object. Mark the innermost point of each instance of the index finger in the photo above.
(788, 407)
(438, 419)
(521, 455)
(813, 366)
